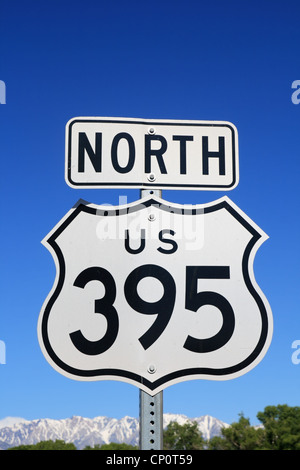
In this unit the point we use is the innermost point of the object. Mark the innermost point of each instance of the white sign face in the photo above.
(158, 154)
(153, 293)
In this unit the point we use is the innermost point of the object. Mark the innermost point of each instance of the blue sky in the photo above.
(193, 60)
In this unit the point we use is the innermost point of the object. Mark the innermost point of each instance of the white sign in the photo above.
(154, 293)
(158, 154)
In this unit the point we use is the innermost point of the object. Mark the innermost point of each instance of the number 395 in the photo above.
(163, 307)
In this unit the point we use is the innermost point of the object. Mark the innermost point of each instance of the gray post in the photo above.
(151, 421)
(151, 408)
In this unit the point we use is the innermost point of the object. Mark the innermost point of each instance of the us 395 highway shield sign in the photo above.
(153, 293)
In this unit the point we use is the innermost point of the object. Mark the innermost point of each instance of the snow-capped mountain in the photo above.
(84, 432)
(10, 421)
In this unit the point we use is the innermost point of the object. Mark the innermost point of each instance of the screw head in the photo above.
(151, 369)
(151, 130)
(151, 177)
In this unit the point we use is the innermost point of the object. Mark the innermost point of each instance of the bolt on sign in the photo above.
(157, 154)
(154, 293)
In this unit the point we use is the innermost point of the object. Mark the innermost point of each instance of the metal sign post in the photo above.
(151, 407)
(151, 421)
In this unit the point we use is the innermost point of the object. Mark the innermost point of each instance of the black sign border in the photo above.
(135, 378)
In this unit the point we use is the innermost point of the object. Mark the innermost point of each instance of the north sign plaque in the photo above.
(157, 154)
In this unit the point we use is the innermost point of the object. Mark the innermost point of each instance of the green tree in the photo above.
(183, 437)
(281, 427)
(280, 431)
(238, 436)
(46, 445)
(112, 446)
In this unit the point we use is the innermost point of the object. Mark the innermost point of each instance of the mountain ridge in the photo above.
(84, 432)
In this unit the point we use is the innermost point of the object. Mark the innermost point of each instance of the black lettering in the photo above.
(114, 152)
(194, 300)
(220, 155)
(85, 146)
(183, 140)
(157, 152)
(103, 306)
(162, 308)
(167, 240)
(135, 251)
